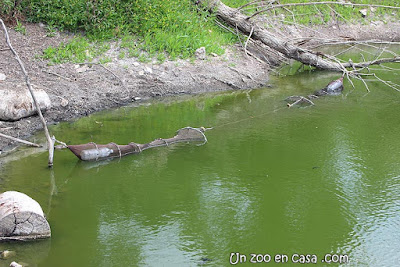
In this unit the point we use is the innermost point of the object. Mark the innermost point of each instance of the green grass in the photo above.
(20, 28)
(174, 28)
(78, 50)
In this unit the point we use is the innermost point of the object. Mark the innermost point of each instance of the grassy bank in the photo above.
(158, 28)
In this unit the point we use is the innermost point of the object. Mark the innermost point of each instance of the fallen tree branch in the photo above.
(233, 17)
(312, 58)
(50, 143)
(19, 140)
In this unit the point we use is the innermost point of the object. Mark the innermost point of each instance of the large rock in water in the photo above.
(17, 103)
(21, 218)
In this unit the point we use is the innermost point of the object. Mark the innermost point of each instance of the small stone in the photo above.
(15, 264)
(200, 53)
(373, 9)
(82, 69)
(6, 254)
(334, 27)
(64, 102)
(148, 70)
(136, 64)
(136, 98)
(214, 55)
(141, 73)
(364, 12)
(2, 76)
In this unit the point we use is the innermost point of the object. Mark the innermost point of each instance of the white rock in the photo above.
(64, 102)
(2, 76)
(364, 12)
(141, 73)
(6, 254)
(200, 53)
(15, 264)
(136, 98)
(17, 103)
(136, 64)
(148, 70)
(82, 69)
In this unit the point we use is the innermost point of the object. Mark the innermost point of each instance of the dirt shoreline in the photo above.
(79, 90)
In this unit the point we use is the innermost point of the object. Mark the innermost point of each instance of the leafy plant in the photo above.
(20, 28)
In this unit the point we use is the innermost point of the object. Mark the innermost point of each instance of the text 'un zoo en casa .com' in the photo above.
(238, 258)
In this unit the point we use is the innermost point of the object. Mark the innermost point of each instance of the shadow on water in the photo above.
(271, 180)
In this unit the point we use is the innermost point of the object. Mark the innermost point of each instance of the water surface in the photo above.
(271, 180)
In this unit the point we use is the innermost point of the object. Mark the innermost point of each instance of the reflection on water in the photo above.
(270, 180)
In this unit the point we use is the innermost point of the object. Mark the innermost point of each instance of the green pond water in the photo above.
(270, 181)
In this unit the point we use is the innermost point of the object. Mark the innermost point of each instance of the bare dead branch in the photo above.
(19, 140)
(372, 62)
(248, 38)
(110, 71)
(50, 143)
(58, 75)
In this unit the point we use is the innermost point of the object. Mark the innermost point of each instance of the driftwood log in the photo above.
(94, 152)
(16, 103)
(21, 218)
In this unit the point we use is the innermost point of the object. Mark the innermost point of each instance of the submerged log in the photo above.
(21, 218)
(93, 152)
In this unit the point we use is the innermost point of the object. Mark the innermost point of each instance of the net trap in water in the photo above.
(94, 152)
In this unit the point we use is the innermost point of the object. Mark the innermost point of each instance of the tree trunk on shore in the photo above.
(254, 30)
(235, 18)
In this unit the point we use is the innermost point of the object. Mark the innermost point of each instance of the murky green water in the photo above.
(271, 180)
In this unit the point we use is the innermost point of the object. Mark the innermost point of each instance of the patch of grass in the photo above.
(20, 28)
(51, 31)
(105, 60)
(78, 50)
(161, 57)
(121, 55)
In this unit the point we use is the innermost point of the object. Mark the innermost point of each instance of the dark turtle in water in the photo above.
(333, 88)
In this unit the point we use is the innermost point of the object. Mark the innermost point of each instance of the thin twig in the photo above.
(248, 38)
(19, 140)
(58, 75)
(110, 71)
(50, 143)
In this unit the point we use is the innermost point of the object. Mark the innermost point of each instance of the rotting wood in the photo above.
(94, 152)
(50, 142)
(21, 218)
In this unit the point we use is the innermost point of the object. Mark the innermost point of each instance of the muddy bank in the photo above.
(79, 90)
